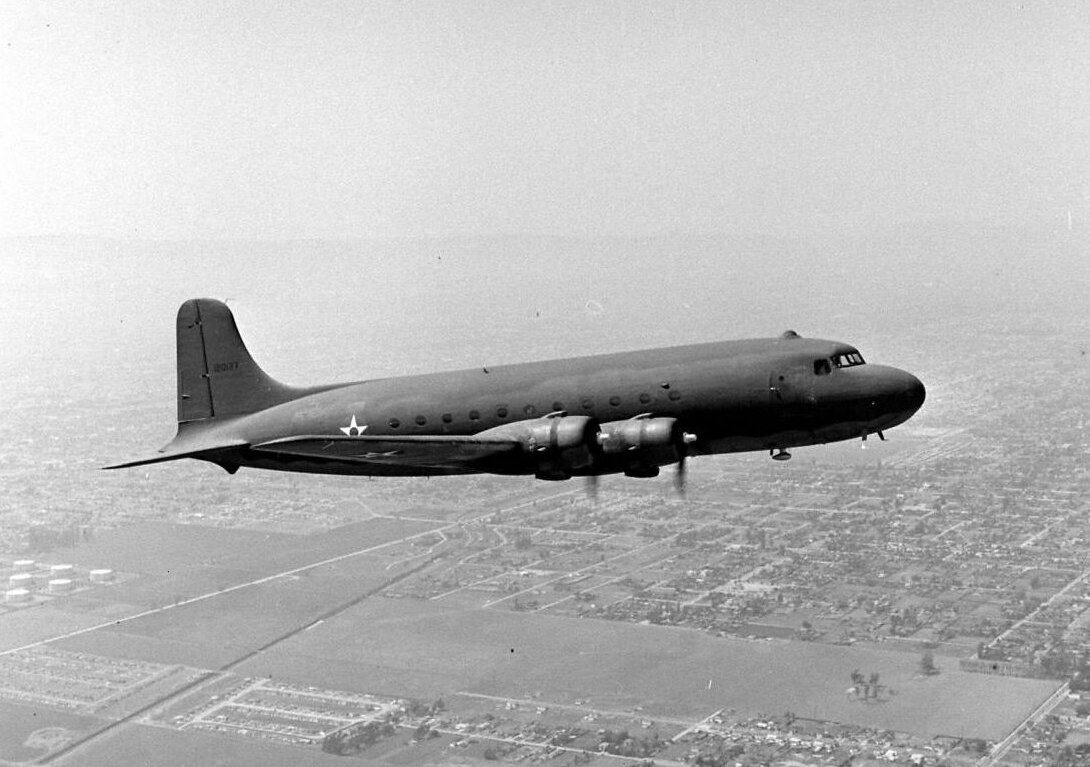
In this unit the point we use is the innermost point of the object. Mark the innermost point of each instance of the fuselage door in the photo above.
(790, 389)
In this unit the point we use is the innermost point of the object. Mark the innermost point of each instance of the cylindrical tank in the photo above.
(61, 571)
(20, 580)
(17, 596)
(23, 565)
(102, 576)
(60, 586)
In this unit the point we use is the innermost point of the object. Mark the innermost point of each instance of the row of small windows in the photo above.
(502, 411)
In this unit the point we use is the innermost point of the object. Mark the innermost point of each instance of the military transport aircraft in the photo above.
(631, 412)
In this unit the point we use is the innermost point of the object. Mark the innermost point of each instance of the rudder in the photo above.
(217, 377)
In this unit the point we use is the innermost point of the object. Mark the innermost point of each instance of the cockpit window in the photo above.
(848, 360)
(822, 367)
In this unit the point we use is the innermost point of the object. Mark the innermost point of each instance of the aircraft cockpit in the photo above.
(848, 360)
(825, 365)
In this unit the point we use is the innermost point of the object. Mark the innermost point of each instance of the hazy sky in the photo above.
(340, 119)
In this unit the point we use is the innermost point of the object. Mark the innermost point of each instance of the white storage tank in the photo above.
(17, 596)
(61, 571)
(23, 565)
(20, 580)
(60, 585)
(102, 576)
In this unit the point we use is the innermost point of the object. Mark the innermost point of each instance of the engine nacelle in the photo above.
(638, 434)
(558, 444)
(642, 444)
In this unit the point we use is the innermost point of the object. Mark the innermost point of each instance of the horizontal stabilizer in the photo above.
(206, 452)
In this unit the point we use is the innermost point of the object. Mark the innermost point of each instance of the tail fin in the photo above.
(217, 377)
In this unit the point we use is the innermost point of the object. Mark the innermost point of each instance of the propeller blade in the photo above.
(680, 476)
(592, 487)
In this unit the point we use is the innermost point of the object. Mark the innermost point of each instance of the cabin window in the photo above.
(822, 367)
(474, 415)
(674, 395)
(588, 403)
(645, 398)
(614, 400)
(421, 420)
(501, 411)
(529, 410)
(393, 423)
(558, 406)
(447, 418)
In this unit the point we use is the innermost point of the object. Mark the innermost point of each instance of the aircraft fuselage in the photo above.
(632, 411)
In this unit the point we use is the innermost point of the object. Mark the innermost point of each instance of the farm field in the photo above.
(425, 650)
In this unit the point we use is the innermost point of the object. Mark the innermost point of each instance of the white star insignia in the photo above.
(353, 427)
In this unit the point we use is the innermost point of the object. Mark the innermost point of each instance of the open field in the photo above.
(177, 563)
(23, 726)
(217, 631)
(423, 650)
(158, 548)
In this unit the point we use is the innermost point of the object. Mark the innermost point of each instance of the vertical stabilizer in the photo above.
(217, 377)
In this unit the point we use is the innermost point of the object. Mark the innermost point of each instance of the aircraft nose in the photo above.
(916, 392)
(902, 392)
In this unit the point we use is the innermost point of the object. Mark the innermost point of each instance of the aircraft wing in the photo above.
(438, 454)
(434, 451)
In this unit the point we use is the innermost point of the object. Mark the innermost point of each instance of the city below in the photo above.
(923, 601)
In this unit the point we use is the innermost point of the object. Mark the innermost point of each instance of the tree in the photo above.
(927, 664)
(894, 623)
(1066, 756)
